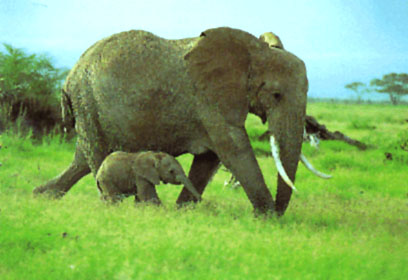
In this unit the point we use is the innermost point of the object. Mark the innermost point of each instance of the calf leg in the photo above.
(146, 191)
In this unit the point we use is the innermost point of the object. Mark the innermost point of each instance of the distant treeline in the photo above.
(353, 101)
(395, 85)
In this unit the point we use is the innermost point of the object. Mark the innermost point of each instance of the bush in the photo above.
(29, 91)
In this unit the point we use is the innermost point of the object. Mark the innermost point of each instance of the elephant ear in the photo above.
(145, 166)
(219, 66)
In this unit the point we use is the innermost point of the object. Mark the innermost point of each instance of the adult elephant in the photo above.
(135, 91)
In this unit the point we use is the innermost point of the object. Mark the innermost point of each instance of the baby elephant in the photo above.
(123, 174)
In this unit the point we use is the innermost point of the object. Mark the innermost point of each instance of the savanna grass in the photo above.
(353, 226)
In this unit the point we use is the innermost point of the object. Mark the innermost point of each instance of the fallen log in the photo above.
(313, 127)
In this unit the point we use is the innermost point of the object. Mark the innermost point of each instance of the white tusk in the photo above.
(278, 163)
(311, 168)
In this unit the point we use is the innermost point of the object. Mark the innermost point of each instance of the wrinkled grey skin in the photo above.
(123, 174)
(135, 91)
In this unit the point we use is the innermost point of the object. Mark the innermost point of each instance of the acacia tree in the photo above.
(393, 84)
(359, 88)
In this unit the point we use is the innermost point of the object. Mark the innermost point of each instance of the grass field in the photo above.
(354, 226)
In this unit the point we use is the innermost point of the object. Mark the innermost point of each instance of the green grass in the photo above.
(353, 226)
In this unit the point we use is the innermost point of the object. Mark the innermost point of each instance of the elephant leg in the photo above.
(201, 171)
(95, 152)
(137, 199)
(109, 194)
(61, 184)
(146, 192)
(235, 151)
(112, 198)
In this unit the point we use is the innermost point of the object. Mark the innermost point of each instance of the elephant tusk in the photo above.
(311, 168)
(278, 163)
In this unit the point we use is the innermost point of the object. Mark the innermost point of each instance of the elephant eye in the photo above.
(277, 96)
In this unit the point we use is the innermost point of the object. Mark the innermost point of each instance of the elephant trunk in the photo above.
(189, 186)
(286, 144)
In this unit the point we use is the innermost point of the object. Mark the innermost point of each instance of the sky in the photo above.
(340, 41)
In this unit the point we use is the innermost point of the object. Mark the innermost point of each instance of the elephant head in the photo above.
(239, 74)
(157, 166)
(281, 86)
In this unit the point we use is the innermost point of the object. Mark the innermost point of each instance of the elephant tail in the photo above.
(68, 118)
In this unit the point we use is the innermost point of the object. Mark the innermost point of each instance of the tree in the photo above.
(359, 88)
(393, 84)
(30, 85)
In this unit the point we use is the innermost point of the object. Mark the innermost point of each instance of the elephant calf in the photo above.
(123, 174)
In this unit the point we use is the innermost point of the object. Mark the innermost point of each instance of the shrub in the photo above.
(29, 90)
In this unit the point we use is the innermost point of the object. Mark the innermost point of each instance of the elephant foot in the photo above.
(48, 190)
(61, 184)
(187, 205)
(266, 213)
(153, 201)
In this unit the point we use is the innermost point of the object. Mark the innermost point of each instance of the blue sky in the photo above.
(340, 41)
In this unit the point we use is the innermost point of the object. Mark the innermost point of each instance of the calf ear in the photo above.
(146, 167)
(152, 176)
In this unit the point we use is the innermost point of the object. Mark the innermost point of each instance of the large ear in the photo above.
(145, 166)
(219, 67)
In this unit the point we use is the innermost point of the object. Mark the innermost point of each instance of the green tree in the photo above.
(393, 84)
(30, 85)
(359, 88)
